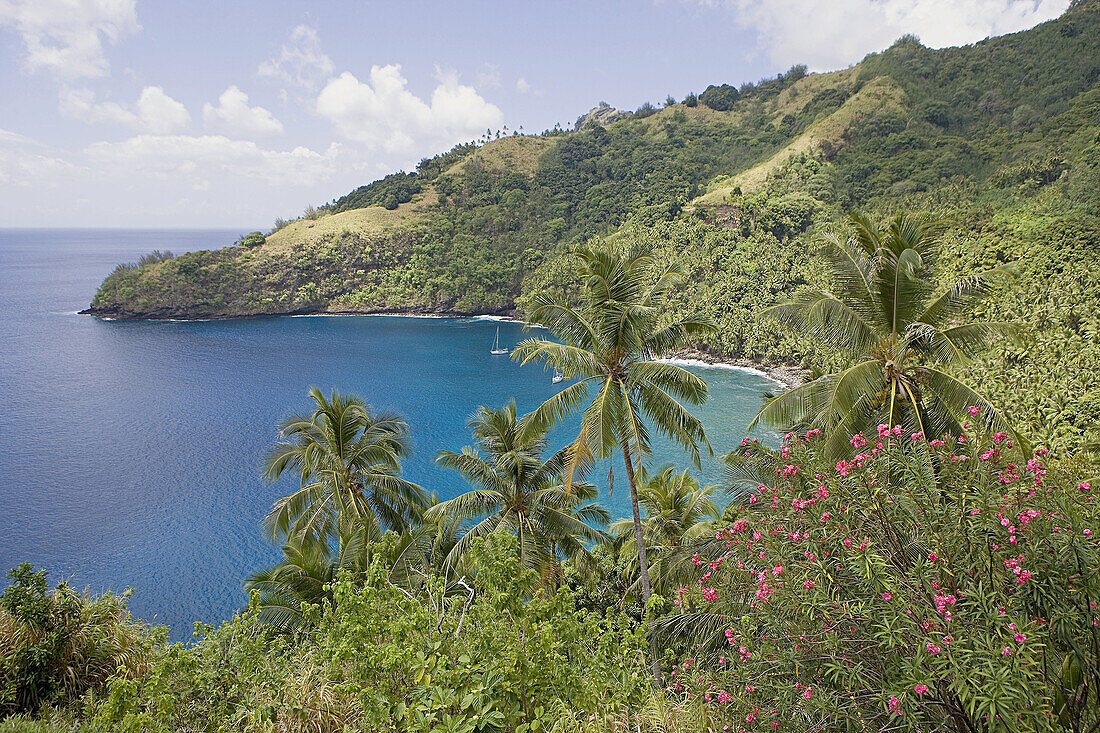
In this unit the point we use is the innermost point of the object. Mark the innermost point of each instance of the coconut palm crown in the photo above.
(899, 336)
(520, 493)
(679, 512)
(349, 460)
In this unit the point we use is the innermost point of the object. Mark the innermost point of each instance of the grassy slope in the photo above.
(880, 95)
(1003, 136)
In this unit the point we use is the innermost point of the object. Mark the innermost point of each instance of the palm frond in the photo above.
(964, 295)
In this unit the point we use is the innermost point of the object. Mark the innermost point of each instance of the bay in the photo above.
(130, 451)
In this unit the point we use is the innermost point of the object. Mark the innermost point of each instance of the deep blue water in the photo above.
(129, 451)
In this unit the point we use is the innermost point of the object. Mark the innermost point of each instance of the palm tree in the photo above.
(349, 461)
(898, 337)
(521, 494)
(610, 340)
(306, 573)
(678, 513)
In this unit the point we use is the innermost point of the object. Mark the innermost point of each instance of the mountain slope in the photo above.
(1002, 136)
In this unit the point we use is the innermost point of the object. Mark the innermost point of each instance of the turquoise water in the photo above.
(130, 450)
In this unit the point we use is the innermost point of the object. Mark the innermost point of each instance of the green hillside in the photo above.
(918, 552)
(1001, 137)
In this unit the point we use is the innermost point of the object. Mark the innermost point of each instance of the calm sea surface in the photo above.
(129, 451)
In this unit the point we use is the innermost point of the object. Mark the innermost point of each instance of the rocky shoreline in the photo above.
(786, 374)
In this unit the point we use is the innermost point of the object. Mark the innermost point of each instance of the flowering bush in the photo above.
(944, 584)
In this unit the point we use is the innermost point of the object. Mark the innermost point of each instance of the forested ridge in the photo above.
(999, 136)
(917, 552)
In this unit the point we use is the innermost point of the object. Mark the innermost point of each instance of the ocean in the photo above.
(130, 451)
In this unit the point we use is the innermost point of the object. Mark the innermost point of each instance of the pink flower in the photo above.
(1088, 533)
(808, 693)
(973, 410)
(1021, 638)
(886, 596)
(933, 556)
(920, 689)
(1084, 486)
(933, 648)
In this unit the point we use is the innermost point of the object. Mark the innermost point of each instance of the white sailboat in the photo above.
(558, 376)
(496, 345)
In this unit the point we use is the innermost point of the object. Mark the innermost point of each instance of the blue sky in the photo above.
(148, 113)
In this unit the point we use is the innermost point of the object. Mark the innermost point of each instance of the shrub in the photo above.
(252, 239)
(55, 646)
(154, 257)
(796, 72)
(482, 653)
(909, 586)
(720, 98)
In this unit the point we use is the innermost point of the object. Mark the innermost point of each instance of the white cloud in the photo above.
(829, 34)
(65, 37)
(154, 112)
(7, 137)
(206, 158)
(488, 76)
(522, 86)
(383, 114)
(27, 169)
(168, 180)
(235, 116)
(300, 61)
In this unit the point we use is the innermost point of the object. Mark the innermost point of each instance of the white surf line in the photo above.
(729, 367)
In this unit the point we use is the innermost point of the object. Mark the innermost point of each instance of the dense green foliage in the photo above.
(899, 589)
(496, 656)
(918, 568)
(57, 645)
(252, 239)
(389, 192)
(999, 136)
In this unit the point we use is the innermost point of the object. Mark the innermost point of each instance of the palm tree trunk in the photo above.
(643, 566)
